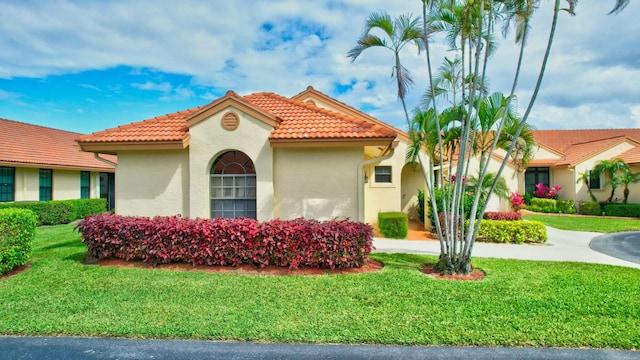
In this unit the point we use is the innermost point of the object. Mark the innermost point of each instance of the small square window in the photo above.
(383, 174)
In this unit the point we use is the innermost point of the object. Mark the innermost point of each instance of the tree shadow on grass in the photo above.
(403, 261)
(60, 245)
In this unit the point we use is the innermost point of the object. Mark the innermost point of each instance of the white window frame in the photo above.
(373, 179)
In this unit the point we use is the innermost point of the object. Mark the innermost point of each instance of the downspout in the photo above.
(386, 154)
(97, 157)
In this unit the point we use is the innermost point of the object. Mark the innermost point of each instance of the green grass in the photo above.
(519, 303)
(581, 223)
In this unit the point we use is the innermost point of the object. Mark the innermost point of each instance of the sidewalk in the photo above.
(563, 245)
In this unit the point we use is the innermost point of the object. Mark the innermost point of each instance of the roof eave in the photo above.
(41, 165)
(113, 147)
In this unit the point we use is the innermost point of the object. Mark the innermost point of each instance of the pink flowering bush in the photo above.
(517, 201)
(544, 192)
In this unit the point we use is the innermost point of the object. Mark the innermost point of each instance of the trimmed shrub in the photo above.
(508, 216)
(518, 232)
(17, 230)
(527, 198)
(60, 211)
(534, 208)
(287, 243)
(590, 208)
(393, 225)
(468, 202)
(623, 210)
(566, 206)
(544, 203)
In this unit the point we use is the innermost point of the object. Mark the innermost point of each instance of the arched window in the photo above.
(233, 186)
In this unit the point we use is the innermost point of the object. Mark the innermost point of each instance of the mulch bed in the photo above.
(17, 270)
(370, 265)
(475, 275)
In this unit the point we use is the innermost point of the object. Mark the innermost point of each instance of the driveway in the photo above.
(622, 245)
(563, 245)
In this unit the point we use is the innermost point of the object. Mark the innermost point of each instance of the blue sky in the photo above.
(89, 65)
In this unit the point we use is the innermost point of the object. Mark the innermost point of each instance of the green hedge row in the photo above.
(623, 210)
(518, 232)
(60, 211)
(393, 225)
(552, 206)
(590, 208)
(17, 230)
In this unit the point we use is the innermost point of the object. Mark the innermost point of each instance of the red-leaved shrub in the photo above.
(288, 243)
(489, 215)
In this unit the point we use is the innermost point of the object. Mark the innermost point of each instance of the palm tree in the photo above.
(501, 190)
(626, 179)
(611, 168)
(585, 179)
(398, 33)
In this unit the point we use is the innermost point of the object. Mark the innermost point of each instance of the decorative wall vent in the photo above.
(230, 121)
(310, 102)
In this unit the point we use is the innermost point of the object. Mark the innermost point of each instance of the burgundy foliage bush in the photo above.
(288, 243)
(502, 216)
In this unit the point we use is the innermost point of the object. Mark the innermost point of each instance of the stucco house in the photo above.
(39, 164)
(562, 155)
(261, 156)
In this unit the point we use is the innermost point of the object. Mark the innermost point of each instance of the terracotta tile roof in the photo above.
(312, 91)
(631, 156)
(300, 120)
(295, 121)
(580, 144)
(33, 145)
(166, 128)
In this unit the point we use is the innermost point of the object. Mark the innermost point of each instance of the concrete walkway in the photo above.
(563, 245)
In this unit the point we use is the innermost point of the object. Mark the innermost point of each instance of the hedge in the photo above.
(623, 210)
(499, 215)
(543, 203)
(287, 243)
(17, 230)
(60, 211)
(590, 208)
(566, 206)
(393, 225)
(506, 231)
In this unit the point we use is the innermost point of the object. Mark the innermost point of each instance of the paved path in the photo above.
(563, 245)
(623, 245)
(48, 348)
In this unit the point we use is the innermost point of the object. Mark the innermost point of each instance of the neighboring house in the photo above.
(261, 156)
(562, 155)
(39, 164)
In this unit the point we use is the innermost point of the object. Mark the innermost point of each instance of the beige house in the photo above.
(261, 156)
(563, 155)
(39, 163)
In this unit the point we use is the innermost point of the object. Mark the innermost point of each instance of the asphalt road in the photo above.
(45, 348)
(622, 245)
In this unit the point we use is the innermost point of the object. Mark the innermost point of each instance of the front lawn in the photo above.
(519, 303)
(586, 223)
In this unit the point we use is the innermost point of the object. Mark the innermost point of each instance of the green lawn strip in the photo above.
(581, 223)
(519, 303)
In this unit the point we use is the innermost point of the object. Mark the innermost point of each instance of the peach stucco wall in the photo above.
(317, 183)
(152, 183)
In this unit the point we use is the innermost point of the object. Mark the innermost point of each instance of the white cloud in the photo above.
(286, 45)
(163, 87)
